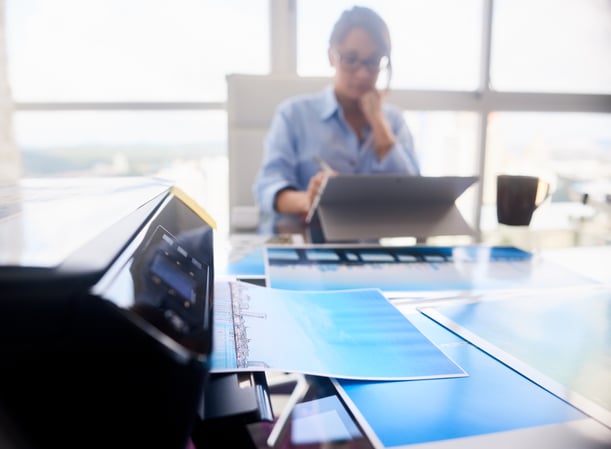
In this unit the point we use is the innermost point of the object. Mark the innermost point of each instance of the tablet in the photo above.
(362, 207)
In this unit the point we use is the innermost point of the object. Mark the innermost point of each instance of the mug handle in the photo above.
(542, 198)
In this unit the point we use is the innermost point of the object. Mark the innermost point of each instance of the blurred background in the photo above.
(138, 87)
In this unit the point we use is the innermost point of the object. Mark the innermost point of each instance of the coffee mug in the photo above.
(517, 197)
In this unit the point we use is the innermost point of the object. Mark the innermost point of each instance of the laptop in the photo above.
(363, 207)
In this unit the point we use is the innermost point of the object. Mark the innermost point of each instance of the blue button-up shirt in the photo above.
(313, 125)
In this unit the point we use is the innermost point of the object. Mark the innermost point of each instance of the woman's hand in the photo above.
(316, 184)
(371, 105)
(299, 202)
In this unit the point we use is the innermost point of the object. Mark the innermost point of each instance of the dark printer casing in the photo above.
(110, 347)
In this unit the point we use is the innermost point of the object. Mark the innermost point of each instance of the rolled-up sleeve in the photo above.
(278, 169)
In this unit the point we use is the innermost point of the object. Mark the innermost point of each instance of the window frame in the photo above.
(483, 101)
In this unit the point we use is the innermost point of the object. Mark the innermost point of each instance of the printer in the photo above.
(106, 300)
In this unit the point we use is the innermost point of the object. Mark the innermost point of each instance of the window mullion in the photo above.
(484, 90)
(283, 39)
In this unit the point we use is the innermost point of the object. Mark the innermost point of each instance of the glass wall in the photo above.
(564, 148)
(550, 47)
(109, 87)
(138, 87)
(188, 147)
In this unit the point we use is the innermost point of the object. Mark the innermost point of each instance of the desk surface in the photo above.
(521, 411)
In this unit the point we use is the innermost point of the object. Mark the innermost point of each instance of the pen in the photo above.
(317, 197)
(323, 164)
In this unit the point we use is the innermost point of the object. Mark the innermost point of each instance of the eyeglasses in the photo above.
(351, 62)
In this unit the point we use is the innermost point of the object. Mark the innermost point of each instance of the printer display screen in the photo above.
(168, 278)
(179, 280)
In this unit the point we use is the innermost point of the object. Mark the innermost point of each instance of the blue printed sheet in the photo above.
(559, 338)
(493, 398)
(355, 334)
(413, 268)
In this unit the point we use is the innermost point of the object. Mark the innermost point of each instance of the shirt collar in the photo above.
(330, 105)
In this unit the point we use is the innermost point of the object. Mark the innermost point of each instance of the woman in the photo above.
(346, 127)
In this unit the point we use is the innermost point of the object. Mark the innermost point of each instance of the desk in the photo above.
(554, 225)
(547, 422)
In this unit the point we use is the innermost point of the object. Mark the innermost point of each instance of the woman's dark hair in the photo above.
(367, 19)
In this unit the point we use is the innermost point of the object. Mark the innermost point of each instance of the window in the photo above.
(137, 50)
(563, 148)
(138, 87)
(552, 46)
(109, 87)
(446, 141)
(188, 147)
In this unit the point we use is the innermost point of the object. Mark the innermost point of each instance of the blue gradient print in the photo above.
(346, 334)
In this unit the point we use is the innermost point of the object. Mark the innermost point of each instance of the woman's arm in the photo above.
(293, 201)
(383, 137)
